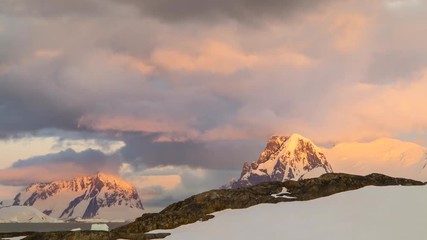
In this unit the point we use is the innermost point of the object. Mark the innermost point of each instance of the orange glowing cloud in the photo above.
(222, 58)
(367, 111)
(132, 63)
(167, 182)
(212, 56)
(45, 173)
(47, 53)
(128, 123)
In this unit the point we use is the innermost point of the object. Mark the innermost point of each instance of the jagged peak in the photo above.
(291, 140)
(83, 181)
(285, 157)
(114, 180)
(290, 137)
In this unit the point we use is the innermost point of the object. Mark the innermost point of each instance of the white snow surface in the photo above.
(370, 213)
(19, 214)
(99, 227)
(385, 155)
(283, 194)
(15, 238)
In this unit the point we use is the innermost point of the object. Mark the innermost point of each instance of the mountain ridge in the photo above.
(98, 196)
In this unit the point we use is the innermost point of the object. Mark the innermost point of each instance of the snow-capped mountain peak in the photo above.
(284, 158)
(98, 196)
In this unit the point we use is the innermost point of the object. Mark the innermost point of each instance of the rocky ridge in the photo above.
(98, 196)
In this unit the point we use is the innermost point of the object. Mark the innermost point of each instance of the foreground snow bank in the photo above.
(369, 213)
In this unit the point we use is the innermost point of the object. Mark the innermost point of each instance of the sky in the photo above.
(175, 95)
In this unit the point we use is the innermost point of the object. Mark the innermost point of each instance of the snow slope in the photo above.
(370, 213)
(387, 156)
(23, 214)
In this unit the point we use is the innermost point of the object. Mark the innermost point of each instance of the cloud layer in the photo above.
(187, 84)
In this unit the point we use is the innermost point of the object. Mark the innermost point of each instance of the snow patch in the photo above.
(283, 194)
(99, 227)
(15, 238)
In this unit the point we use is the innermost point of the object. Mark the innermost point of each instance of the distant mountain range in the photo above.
(19, 214)
(100, 196)
(295, 157)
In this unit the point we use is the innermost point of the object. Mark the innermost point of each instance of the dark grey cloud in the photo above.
(246, 11)
(63, 165)
(142, 152)
(93, 159)
(394, 65)
(52, 8)
(30, 110)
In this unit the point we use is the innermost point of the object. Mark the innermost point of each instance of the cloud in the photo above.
(143, 152)
(368, 111)
(30, 146)
(8, 192)
(63, 165)
(173, 183)
(203, 85)
(214, 57)
(47, 53)
(51, 8)
(247, 11)
(130, 124)
(383, 70)
(349, 30)
(133, 63)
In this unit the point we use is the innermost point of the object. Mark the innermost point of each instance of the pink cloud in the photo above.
(132, 63)
(47, 53)
(367, 111)
(211, 56)
(349, 30)
(129, 123)
(45, 173)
